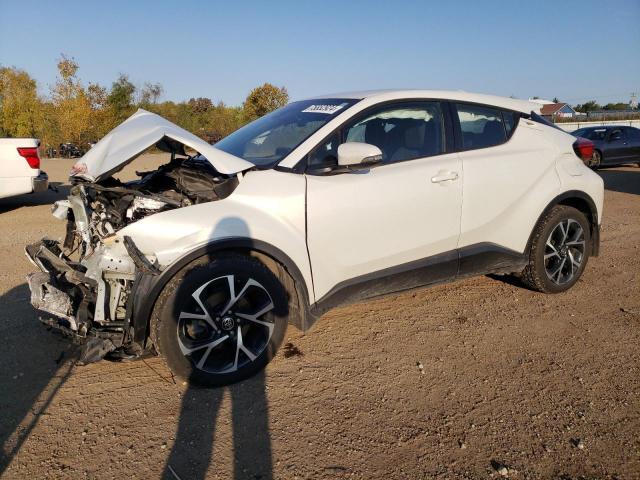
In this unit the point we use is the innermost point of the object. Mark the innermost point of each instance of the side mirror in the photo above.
(352, 154)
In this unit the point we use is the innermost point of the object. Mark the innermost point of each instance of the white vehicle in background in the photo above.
(20, 167)
(322, 202)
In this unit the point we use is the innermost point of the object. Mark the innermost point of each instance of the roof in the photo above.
(553, 108)
(384, 95)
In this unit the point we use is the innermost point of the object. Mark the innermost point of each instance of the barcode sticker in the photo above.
(328, 109)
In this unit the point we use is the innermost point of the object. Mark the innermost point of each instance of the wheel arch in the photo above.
(148, 287)
(582, 202)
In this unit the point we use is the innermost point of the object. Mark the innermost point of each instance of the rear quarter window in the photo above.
(481, 126)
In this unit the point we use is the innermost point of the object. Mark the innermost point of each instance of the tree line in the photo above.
(81, 114)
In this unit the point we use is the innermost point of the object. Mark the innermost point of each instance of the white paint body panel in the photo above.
(268, 206)
(387, 216)
(16, 176)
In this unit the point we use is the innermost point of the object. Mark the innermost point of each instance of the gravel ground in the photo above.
(474, 380)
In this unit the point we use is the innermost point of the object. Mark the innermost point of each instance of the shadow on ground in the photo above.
(58, 191)
(192, 452)
(624, 181)
(35, 364)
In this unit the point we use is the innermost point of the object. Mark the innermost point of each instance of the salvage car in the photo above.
(329, 200)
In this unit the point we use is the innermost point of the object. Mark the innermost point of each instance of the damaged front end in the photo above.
(87, 282)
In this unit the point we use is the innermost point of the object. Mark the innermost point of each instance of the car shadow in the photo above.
(57, 191)
(192, 453)
(35, 364)
(623, 181)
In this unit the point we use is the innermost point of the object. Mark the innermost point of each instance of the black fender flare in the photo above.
(593, 218)
(147, 286)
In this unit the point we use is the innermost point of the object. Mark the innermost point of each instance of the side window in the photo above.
(401, 131)
(616, 134)
(632, 133)
(481, 126)
(325, 154)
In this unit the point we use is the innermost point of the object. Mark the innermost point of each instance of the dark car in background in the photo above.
(613, 145)
(70, 150)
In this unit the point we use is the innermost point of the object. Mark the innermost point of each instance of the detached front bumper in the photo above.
(63, 290)
(40, 183)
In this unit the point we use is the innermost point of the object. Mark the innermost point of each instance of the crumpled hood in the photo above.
(137, 133)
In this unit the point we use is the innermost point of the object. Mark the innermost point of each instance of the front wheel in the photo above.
(560, 249)
(221, 322)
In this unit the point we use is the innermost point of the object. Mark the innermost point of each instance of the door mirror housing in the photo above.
(354, 154)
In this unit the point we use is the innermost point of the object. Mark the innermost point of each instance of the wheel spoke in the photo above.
(552, 254)
(234, 298)
(210, 345)
(565, 231)
(205, 355)
(558, 271)
(575, 243)
(205, 316)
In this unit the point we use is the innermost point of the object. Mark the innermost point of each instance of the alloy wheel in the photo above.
(564, 251)
(222, 326)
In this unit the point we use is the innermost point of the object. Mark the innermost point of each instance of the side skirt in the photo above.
(479, 259)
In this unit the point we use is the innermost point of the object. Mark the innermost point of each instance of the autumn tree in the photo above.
(71, 104)
(264, 99)
(150, 93)
(21, 112)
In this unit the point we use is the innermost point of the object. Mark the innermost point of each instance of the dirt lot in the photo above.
(546, 386)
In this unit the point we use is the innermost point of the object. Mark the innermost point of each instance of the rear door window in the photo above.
(481, 126)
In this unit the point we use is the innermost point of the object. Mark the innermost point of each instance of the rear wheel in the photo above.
(559, 250)
(222, 322)
(596, 159)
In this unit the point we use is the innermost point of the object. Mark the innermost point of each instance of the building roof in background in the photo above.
(552, 108)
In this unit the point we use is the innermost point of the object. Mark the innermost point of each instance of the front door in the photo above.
(393, 226)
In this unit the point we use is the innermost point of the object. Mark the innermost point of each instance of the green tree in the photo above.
(264, 99)
(120, 100)
(616, 106)
(589, 106)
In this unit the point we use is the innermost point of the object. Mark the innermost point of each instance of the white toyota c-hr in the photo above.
(322, 202)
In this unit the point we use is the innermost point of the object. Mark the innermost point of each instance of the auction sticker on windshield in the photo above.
(328, 109)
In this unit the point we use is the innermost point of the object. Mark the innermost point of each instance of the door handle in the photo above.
(444, 177)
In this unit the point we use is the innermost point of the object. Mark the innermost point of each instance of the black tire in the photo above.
(596, 160)
(544, 258)
(174, 328)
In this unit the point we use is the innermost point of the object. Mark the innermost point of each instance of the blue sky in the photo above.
(575, 50)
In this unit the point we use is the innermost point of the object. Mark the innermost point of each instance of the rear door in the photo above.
(633, 137)
(616, 147)
(394, 226)
(509, 168)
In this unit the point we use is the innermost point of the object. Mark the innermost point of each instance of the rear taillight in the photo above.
(31, 156)
(583, 148)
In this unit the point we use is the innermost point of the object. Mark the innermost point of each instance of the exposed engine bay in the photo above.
(88, 281)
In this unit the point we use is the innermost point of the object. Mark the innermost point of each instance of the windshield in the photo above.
(269, 139)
